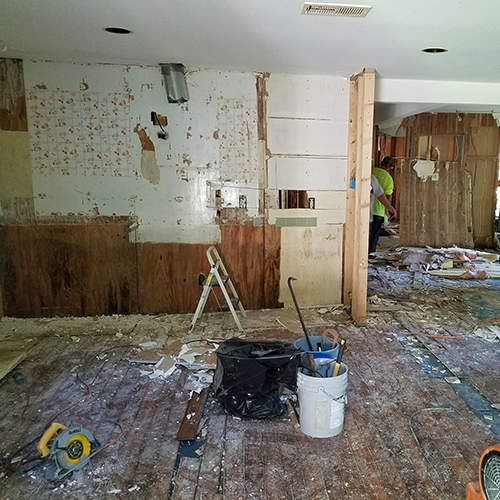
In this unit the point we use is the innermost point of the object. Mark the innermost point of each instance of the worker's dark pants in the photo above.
(375, 226)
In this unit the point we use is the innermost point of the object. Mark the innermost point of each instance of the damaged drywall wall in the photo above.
(426, 169)
(94, 148)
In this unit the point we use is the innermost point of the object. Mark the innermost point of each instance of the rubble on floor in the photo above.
(198, 357)
(453, 262)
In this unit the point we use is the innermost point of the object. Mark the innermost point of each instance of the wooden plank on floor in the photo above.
(9, 360)
(192, 417)
(212, 466)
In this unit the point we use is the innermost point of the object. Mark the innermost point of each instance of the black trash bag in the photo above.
(249, 375)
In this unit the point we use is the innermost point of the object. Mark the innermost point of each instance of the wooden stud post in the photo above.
(350, 200)
(358, 223)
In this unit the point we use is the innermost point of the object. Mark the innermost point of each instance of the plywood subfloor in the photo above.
(407, 434)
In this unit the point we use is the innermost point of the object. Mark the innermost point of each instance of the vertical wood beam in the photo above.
(350, 205)
(360, 155)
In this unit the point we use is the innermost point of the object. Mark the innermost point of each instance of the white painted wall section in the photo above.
(86, 160)
(307, 130)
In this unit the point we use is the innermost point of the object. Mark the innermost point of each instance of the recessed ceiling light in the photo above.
(117, 31)
(434, 50)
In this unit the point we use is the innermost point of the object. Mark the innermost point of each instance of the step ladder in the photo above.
(218, 277)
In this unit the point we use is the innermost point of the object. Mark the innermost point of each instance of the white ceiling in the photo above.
(264, 36)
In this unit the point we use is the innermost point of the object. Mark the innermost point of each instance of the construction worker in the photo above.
(378, 215)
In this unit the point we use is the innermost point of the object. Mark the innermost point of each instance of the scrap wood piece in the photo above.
(9, 360)
(192, 417)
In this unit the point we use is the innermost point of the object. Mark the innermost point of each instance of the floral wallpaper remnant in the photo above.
(83, 133)
(238, 145)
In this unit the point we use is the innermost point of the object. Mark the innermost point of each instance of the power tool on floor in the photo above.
(70, 447)
(488, 486)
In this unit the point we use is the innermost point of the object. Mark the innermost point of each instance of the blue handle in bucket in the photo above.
(327, 355)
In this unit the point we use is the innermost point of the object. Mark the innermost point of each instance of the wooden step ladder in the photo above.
(218, 276)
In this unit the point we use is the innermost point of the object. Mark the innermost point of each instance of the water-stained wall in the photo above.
(124, 210)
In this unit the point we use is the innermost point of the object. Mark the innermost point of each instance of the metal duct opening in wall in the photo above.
(175, 82)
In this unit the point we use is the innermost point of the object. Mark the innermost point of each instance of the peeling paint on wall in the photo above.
(426, 169)
(186, 160)
(84, 85)
(149, 166)
(146, 142)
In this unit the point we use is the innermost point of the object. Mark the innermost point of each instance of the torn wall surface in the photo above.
(88, 126)
(96, 161)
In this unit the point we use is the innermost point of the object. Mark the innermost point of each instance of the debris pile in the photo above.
(160, 362)
(453, 262)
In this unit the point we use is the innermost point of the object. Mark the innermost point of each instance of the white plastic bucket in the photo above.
(321, 403)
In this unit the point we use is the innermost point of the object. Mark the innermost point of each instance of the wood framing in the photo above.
(362, 91)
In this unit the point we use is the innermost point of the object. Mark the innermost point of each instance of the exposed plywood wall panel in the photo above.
(242, 251)
(78, 270)
(12, 96)
(168, 277)
(272, 266)
(84, 270)
(316, 262)
(168, 272)
(449, 197)
(436, 213)
(16, 185)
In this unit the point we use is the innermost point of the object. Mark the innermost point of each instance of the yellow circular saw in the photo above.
(70, 447)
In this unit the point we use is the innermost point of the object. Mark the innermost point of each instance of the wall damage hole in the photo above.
(291, 198)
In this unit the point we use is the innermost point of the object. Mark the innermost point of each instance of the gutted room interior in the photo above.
(138, 141)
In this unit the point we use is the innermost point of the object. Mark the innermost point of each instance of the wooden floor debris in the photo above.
(446, 262)
(9, 360)
(411, 428)
(192, 417)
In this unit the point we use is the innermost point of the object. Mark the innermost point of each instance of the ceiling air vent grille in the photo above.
(328, 9)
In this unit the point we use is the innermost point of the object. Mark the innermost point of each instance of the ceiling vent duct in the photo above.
(330, 9)
(175, 82)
